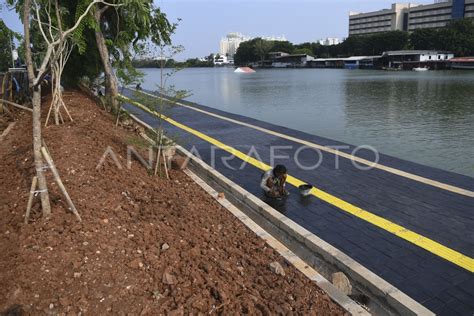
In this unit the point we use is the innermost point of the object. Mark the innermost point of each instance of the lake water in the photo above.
(423, 117)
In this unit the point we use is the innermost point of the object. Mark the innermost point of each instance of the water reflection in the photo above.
(424, 117)
(421, 118)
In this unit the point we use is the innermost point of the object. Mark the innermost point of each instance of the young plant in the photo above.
(167, 97)
(127, 75)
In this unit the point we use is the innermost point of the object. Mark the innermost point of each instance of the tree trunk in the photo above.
(42, 185)
(111, 88)
(39, 164)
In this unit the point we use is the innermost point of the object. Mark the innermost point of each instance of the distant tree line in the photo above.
(171, 63)
(457, 37)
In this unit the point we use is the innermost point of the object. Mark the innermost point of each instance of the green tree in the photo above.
(304, 50)
(257, 49)
(246, 53)
(7, 38)
(282, 46)
(195, 62)
(83, 64)
(262, 48)
(374, 44)
(458, 37)
(119, 28)
(424, 39)
(394, 40)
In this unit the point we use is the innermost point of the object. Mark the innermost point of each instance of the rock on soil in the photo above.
(169, 279)
(277, 268)
(112, 262)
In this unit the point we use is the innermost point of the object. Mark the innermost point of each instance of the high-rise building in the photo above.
(439, 14)
(409, 17)
(378, 21)
(229, 44)
(274, 38)
(329, 41)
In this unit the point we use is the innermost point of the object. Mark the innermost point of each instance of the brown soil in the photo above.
(4, 121)
(113, 261)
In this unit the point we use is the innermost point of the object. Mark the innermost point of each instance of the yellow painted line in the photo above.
(432, 246)
(363, 161)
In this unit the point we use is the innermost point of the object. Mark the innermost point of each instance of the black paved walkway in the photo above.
(443, 216)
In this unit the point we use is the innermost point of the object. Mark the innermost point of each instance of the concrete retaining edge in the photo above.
(361, 277)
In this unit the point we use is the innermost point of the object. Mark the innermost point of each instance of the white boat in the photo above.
(421, 68)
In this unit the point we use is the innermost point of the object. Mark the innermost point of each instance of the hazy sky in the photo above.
(205, 22)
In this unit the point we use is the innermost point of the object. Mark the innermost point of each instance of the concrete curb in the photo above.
(296, 237)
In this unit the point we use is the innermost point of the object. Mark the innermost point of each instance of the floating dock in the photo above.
(410, 224)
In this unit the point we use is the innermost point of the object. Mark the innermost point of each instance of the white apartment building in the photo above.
(274, 38)
(409, 17)
(329, 41)
(230, 43)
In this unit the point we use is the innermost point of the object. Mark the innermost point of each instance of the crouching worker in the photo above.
(273, 182)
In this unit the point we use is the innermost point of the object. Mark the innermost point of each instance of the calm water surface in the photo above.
(423, 117)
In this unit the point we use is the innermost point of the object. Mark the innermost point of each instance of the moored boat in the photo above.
(421, 68)
(462, 63)
(391, 68)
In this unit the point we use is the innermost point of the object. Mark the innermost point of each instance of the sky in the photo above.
(205, 22)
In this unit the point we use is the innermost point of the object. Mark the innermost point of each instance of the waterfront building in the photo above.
(353, 62)
(402, 59)
(409, 59)
(274, 55)
(223, 61)
(326, 63)
(291, 60)
(409, 17)
(360, 62)
(419, 55)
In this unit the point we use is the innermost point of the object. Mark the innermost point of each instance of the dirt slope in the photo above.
(115, 261)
